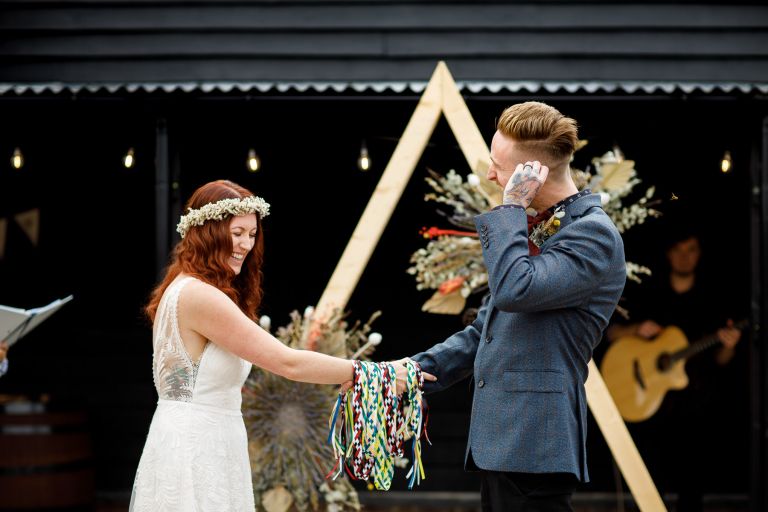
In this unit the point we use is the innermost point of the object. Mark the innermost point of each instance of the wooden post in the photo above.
(162, 208)
(758, 352)
(620, 442)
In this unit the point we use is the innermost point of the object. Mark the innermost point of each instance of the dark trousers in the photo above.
(526, 492)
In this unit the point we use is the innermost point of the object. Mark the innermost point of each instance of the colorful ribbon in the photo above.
(375, 423)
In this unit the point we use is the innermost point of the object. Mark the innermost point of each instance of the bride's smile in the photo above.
(243, 231)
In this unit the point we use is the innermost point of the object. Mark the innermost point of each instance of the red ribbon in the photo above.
(434, 232)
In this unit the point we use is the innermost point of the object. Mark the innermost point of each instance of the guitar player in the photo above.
(683, 432)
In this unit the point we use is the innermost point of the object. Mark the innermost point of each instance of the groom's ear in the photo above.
(559, 169)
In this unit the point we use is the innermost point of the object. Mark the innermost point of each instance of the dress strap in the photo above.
(173, 309)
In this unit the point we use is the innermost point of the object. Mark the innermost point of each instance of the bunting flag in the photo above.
(29, 222)
(3, 231)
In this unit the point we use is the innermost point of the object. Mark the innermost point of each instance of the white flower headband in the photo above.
(221, 209)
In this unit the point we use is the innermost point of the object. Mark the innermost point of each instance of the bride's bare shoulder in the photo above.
(197, 294)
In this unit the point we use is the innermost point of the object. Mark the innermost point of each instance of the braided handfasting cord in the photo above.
(375, 423)
(413, 422)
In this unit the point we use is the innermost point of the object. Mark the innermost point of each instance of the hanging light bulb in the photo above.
(17, 160)
(364, 161)
(726, 163)
(128, 159)
(253, 163)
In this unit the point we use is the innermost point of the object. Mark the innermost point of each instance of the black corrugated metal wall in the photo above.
(172, 40)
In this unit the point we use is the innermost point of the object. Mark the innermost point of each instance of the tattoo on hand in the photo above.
(525, 183)
(522, 191)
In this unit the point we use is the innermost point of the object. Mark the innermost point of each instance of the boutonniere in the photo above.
(545, 229)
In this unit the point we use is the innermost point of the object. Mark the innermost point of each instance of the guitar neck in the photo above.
(694, 348)
(702, 344)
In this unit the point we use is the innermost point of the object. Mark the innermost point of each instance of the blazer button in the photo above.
(488, 338)
(480, 383)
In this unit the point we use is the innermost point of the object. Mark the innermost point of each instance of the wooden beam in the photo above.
(467, 134)
(620, 443)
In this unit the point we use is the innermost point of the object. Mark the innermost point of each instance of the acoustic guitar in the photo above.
(639, 372)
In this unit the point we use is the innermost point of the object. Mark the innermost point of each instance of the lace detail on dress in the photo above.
(174, 372)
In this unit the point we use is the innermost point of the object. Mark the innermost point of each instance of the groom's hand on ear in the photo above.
(525, 183)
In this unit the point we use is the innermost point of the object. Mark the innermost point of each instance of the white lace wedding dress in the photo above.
(196, 455)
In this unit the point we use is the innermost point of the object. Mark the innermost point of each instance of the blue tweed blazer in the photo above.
(534, 334)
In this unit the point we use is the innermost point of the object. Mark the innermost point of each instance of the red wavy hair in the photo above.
(205, 250)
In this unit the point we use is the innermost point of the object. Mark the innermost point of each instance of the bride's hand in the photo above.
(345, 386)
(402, 376)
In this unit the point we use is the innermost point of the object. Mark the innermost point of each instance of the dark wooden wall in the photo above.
(346, 40)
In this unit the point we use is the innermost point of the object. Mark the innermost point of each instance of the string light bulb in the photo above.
(17, 160)
(253, 163)
(726, 163)
(128, 159)
(364, 161)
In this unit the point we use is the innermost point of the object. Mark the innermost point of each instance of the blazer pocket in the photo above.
(534, 381)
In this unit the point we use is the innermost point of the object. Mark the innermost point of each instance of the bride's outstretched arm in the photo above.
(208, 311)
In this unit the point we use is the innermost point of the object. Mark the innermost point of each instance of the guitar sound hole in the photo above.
(664, 362)
(638, 374)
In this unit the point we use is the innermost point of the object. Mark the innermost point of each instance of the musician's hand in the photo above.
(729, 336)
(648, 329)
(3, 350)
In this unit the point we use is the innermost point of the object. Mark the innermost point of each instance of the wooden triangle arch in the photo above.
(442, 96)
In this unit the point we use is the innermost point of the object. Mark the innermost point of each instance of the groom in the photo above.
(534, 334)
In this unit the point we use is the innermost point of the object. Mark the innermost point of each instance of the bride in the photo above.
(205, 340)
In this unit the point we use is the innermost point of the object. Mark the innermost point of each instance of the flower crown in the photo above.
(221, 209)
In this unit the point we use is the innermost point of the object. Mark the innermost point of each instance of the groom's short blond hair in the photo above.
(541, 130)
